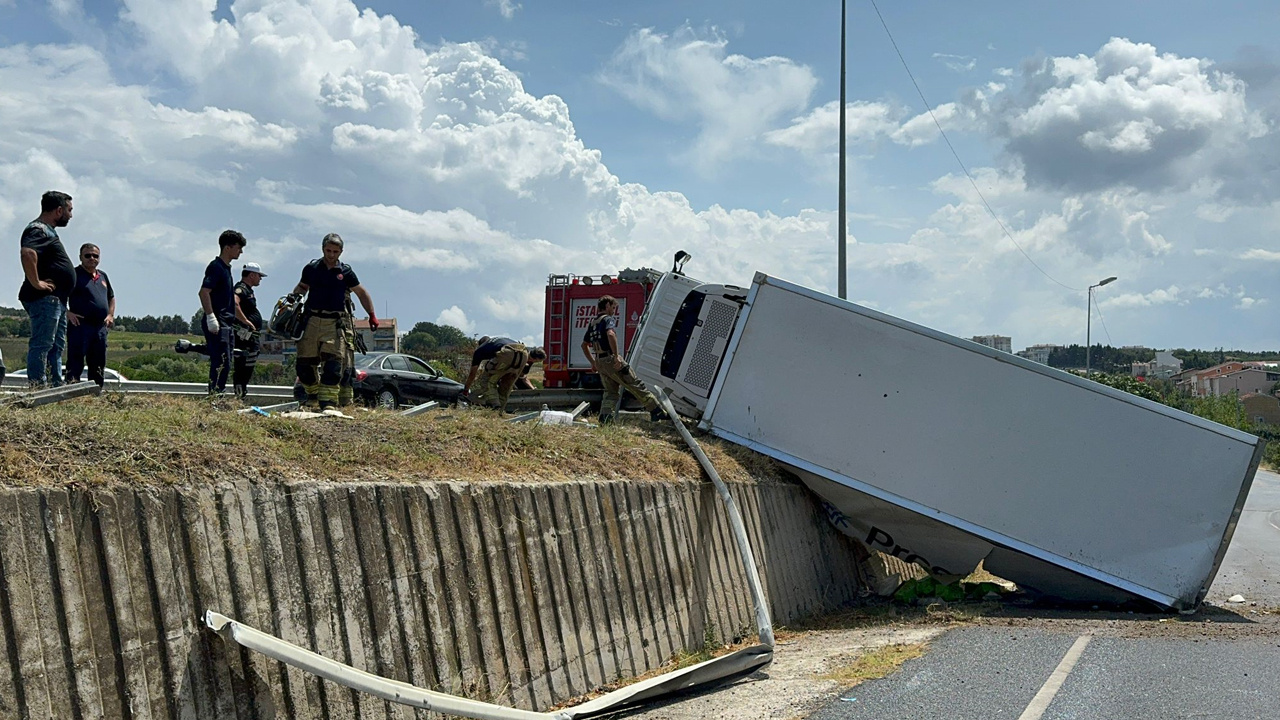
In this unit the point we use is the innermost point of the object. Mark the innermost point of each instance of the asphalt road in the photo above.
(1252, 565)
(990, 673)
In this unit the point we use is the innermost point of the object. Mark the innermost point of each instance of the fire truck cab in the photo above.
(571, 306)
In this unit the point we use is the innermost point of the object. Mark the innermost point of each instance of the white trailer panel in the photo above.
(959, 452)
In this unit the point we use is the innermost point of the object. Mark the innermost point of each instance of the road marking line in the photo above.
(1041, 701)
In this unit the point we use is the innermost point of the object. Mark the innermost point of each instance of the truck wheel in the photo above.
(387, 399)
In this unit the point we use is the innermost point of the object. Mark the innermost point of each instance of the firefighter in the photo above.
(600, 345)
(323, 349)
(504, 361)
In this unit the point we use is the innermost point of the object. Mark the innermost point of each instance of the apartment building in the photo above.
(1039, 353)
(1003, 343)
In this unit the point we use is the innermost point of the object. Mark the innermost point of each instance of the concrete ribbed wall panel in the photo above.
(525, 594)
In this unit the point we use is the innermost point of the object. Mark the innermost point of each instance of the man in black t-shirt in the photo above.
(48, 279)
(322, 351)
(91, 311)
(218, 300)
(248, 336)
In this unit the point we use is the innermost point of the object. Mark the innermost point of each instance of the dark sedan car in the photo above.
(388, 380)
(391, 379)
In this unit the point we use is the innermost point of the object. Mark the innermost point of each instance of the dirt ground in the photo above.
(791, 687)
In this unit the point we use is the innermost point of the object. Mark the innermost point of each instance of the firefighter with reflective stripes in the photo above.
(323, 349)
(600, 345)
(503, 361)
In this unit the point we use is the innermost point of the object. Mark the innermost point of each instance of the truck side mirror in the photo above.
(682, 257)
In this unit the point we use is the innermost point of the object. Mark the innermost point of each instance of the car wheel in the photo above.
(387, 399)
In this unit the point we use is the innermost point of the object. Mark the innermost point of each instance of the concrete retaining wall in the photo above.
(524, 594)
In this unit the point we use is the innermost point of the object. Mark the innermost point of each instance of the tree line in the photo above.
(1107, 359)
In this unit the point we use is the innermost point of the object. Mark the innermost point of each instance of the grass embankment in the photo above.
(143, 439)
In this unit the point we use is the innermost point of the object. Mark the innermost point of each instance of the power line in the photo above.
(1103, 321)
(956, 155)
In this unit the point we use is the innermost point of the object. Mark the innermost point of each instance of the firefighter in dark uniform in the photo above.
(503, 361)
(248, 337)
(322, 351)
(600, 345)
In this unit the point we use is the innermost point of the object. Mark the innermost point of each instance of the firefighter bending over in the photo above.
(504, 361)
(601, 348)
(323, 349)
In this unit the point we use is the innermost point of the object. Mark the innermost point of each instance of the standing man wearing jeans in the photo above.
(49, 279)
(91, 311)
(218, 300)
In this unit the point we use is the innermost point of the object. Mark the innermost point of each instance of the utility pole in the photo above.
(841, 231)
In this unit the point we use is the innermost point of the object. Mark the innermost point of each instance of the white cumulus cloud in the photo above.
(690, 76)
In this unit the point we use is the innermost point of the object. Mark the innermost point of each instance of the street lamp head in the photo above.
(1108, 280)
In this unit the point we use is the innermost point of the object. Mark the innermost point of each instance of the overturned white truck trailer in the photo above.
(944, 452)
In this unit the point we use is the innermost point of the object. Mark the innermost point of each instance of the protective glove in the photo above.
(244, 333)
(211, 322)
(293, 297)
(373, 323)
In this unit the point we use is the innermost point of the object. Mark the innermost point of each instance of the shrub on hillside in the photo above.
(166, 367)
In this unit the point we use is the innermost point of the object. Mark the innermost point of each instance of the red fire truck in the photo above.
(571, 306)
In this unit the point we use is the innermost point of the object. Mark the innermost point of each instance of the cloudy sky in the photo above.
(467, 148)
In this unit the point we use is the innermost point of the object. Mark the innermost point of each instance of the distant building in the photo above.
(1245, 381)
(1163, 367)
(1039, 353)
(1000, 342)
(385, 339)
(1242, 377)
(1261, 408)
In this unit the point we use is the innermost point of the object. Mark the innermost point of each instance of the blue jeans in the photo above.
(48, 338)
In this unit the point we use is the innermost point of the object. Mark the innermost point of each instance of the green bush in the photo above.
(166, 367)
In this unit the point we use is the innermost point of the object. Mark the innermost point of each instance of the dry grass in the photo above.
(143, 439)
(875, 664)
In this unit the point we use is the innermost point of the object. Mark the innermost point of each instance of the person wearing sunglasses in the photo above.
(91, 312)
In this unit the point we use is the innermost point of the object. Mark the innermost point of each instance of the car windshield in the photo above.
(364, 361)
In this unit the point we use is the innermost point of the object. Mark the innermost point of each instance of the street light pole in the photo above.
(1088, 341)
(841, 230)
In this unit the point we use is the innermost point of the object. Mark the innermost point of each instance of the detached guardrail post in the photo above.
(55, 395)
